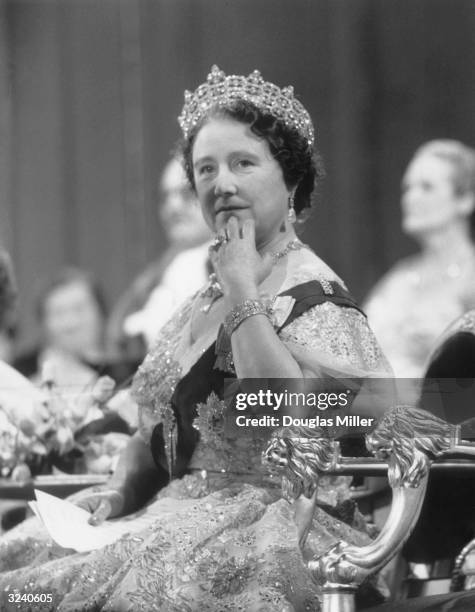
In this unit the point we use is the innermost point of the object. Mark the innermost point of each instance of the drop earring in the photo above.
(291, 216)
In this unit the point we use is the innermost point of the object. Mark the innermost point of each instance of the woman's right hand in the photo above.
(105, 504)
(238, 265)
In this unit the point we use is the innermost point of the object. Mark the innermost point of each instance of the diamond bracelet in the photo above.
(244, 310)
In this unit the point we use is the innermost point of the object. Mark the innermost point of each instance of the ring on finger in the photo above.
(219, 240)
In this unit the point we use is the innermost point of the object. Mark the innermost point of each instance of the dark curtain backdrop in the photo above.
(90, 91)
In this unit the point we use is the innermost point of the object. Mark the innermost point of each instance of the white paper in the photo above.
(68, 524)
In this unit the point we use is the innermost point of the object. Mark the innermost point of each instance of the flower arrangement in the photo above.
(37, 429)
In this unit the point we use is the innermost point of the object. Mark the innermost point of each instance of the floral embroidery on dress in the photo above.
(153, 580)
(223, 450)
(343, 333)
(210, 420)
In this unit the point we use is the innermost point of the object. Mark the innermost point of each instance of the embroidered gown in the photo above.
(219, 536)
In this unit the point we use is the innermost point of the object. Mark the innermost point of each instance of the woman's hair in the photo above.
(301, 165)
(459, 156)
(65, 277)
(8, 294)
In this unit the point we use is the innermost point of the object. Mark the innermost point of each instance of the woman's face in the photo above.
(72, 319)
(236, 175)
(429, 202)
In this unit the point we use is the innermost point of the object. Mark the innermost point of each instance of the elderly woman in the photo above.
(416, 300)
(220, 536)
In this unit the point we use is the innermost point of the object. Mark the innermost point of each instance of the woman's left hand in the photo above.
(238, 265)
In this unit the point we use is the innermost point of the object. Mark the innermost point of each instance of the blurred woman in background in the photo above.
(71, 313)
(416, 300)
(71, 364)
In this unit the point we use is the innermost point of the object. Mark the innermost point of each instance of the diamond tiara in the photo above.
(221, 90)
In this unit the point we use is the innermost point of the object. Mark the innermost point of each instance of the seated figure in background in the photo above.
(71, 312)
(417, 299)
(75, 374)
(215, 532)
(184, 267)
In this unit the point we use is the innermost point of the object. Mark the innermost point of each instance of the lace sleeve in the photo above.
(337, 336)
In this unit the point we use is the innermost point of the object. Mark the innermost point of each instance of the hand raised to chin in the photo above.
(237, 263)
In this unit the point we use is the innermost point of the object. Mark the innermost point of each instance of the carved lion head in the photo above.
(409, 438)
(301, 453)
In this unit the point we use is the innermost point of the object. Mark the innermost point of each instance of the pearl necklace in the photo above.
(213, 289)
